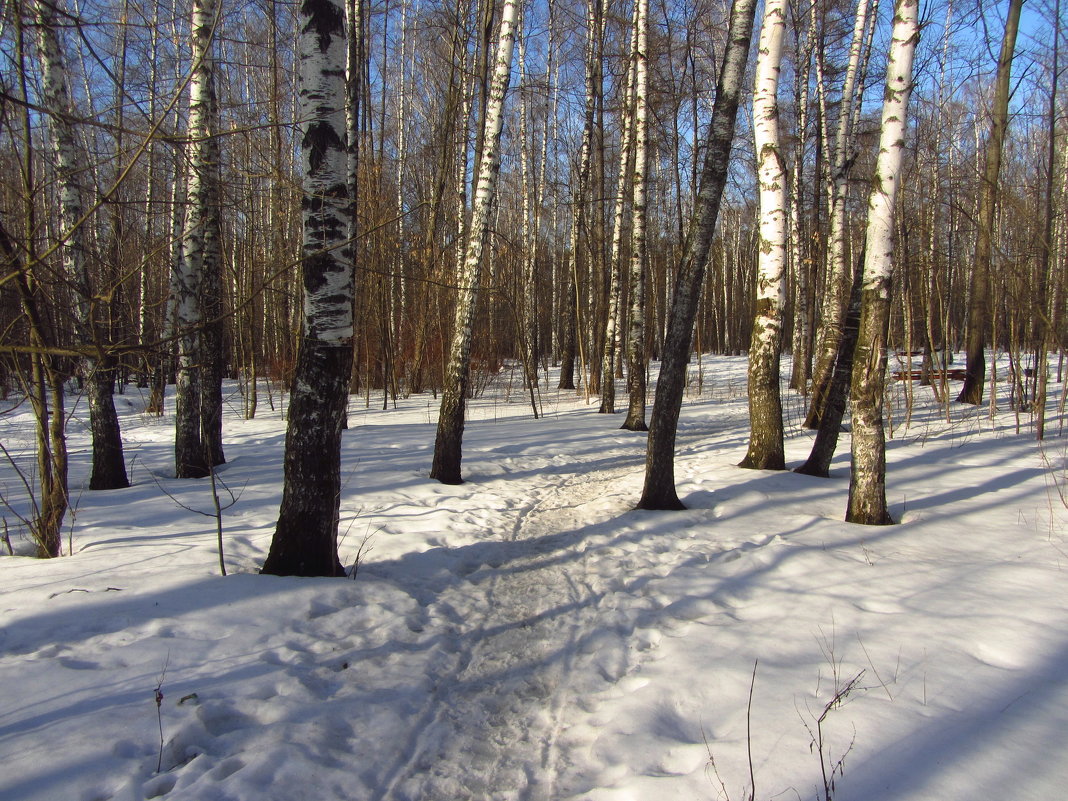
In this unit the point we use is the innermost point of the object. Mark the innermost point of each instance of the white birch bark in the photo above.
(56, 98)
(800, 255)
(867, 490)
(615, 279)
(541, 174)
(526, 324)
(552, 131)
(201, 253)
(305, 538)
(636, 361)
(448, 443)
(765, 405)
(836, 294)
(144, 318)
(399, 281)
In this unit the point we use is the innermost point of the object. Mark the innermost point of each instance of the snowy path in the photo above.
(540, 639)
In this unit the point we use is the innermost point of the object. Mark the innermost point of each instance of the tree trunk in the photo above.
(615, 257)
(579, 216)
(765, 404)
(449, 440)
(836, 296)
(1045, 310)
(659, 489)
(800, 258)
(819, 458)
(109, 467)
(305, 538)
(867, 482)
(198, 274)
(636, 357)
(46, 384)
(979, 304)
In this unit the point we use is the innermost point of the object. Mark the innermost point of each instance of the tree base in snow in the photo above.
(305, 539)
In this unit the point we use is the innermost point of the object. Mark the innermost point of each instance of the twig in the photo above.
(29, 491)
(365, 548)
(218, 517)
(749, 733)
(840, 695)
(159, 709)
(872, 666)
(713, 766)
(219, 507)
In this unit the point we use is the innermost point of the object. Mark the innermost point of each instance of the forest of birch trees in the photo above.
(376, 199)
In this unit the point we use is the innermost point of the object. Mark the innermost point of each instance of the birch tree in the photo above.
(867, 480)
(197, 309)
(765, 404)
(836, 295)
(1043, 338)
(636, 359)
(659, 488)
(305, 538)
(979, 301)
(615, 259)
(571, 330)
(449, 440)
(801, 257)
(109, 467)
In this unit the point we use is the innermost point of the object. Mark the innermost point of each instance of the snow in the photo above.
(529, 635)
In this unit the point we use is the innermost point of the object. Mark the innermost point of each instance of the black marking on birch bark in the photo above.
(325, 19)
(318, 267)
(319, 139)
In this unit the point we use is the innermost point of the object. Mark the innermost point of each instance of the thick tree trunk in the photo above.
(765, 403)
(449, 440)
(979, 304)
(659, 489)
(867, 482)
(109, 467)
(305, 538)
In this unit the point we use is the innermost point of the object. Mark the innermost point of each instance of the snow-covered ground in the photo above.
(529, 635)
